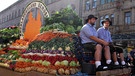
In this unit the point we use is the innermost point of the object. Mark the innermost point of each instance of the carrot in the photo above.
(47, 36)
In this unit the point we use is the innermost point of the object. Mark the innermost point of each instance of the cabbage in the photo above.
(70, 29)
(67, 48)
(21, 59)
(64, 62)
(46, 63)
(27, 60)
(33, 61)
(72, 63)
(79, 28)
(53, 48)
(57, 63)
(60, 49)
(40, 61)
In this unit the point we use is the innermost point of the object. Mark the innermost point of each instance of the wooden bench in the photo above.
(115, 72)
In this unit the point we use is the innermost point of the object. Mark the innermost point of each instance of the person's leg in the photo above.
(107, 54)
(114, 57)
(98, 53)
(120, 51)
(122, 59)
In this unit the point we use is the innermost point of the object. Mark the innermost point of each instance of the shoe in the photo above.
(110, 66)
(130, 65)
(101, 68)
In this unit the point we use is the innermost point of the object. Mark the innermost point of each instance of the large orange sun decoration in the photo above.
(33, 25)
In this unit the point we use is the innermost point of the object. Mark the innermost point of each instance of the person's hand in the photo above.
(110, 43)
(131, 58)
(105, 43)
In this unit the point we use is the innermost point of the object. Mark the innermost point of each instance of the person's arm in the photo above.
(99, 40)
(130, 57)
(100, 34)
(100, 37)
(110, 38)
(89, 34)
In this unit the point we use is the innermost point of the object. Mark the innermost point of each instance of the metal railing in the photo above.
(122, 29)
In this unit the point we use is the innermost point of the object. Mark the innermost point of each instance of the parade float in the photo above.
(44, 50)
(48, 52)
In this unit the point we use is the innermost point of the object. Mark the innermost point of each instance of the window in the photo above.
(12, 15)
(102, 1)
(127, 17)
(112, 19)
(2, 20)
(19, 12)
(112, 0)
(106, 16)
(108, 1)
(16, 14)
(87, 5)
(22, 10)
(101, 19)
(94, 3)
(7, 18)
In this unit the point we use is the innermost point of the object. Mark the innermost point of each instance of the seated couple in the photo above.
(98, 40)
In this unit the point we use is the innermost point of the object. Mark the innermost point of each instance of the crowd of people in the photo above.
(100, 43)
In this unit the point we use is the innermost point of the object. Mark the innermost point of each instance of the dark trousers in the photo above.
(89, 50)
(89, 47)
(115, 49)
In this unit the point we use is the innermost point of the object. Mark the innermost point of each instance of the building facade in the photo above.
(121, 12)
(12, 15)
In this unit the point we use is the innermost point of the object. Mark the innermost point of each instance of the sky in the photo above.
(6, 3)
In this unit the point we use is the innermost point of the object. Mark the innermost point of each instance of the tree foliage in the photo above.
(66, 16)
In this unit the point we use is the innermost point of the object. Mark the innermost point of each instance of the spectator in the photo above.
(132, 53)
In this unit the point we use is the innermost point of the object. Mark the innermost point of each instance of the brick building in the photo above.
(12, 15)
(121, 12)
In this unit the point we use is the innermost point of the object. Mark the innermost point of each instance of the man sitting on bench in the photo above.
(91, 42)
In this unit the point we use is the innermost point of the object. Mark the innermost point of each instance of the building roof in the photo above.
(11, 6)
